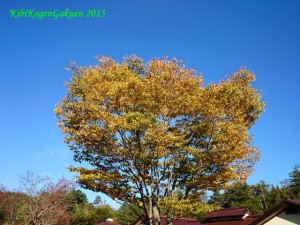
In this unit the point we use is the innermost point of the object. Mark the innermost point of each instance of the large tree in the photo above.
(150, 130)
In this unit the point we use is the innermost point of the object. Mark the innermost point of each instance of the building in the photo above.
(286, 213)
(236, 216)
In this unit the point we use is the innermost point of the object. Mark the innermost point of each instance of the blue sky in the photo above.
(216, 37)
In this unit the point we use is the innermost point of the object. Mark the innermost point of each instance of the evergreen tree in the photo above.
(98, 201)
(276, 196)
(76, 198)
(261, 193)
(128, 214)
(240, 195)
(217, 198)
(102, 213)
(295, 182)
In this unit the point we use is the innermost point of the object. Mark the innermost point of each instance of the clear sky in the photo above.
(216, 37)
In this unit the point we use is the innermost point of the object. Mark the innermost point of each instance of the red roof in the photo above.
(184, 221)
(246, 221)
(179, 221)
(228, 213)
(292, 202)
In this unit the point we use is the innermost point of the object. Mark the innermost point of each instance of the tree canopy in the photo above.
(148, 130)
(295, 182)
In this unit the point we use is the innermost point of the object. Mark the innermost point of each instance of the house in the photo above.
(236, 216)
(286, 213)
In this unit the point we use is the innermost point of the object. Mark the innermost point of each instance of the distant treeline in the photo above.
(40, 201)
(259, 197)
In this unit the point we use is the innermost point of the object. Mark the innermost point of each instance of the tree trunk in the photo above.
(169, 221)
(153, 213)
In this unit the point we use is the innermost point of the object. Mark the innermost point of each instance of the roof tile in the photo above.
(227, 213)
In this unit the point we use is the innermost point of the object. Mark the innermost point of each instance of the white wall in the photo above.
(285, 219)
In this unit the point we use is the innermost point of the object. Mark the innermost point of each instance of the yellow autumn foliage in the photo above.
(176, 207)
(149, 129)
